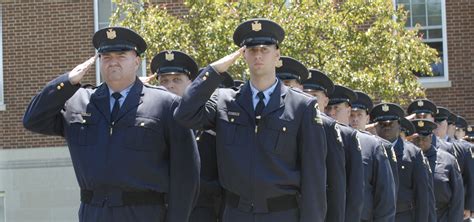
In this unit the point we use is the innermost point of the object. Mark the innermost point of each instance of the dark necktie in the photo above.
(116, 108)
(260, 105)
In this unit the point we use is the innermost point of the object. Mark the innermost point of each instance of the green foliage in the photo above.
(362, 44)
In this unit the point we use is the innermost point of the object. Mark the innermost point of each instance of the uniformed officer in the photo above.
(451, 127)
(469, 134)
(271, 146)
(461, 126)
(320, 86)
(291, 72)
(426, 109)
(339, 108)
(414, 185)
(126, 149)
(175, 70)
(335, 160)
(406, 128)
(465, 160)
(380, 187)
(448, 185)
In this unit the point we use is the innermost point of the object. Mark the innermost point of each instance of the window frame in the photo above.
(437, 81)
(2, 92)
(97, 62)
(2, 199)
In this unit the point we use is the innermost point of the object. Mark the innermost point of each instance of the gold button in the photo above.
(206, 74)
(61, 84)
(58, 87)
(142, 124)
(284, 129)
(403, 167)
(232, 119)
(83, 121)
(204, 78)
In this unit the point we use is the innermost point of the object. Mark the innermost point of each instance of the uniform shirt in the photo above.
(268, 92)
(448, 185)
(124, 94)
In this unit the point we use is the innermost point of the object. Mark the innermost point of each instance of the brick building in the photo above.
(41, 39)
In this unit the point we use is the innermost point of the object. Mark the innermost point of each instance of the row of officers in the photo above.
(286, 145)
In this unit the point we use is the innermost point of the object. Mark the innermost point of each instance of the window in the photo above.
(2, 207)
(431, 16)
(2, 101)
(103, 9)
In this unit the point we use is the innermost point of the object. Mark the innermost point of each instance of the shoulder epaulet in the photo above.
(155, 87)
(88, 86)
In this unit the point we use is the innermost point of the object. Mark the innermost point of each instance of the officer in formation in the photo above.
(292, 72)
(447, 180)
(426, 109)
(278, 156)
(271, 146)
(175, 71)
(127, 150)
(414, 185)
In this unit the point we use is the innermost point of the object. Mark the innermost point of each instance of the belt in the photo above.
(274, 204)
(405, 206)
(130, 197)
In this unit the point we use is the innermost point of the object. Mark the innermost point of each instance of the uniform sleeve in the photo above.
(384, 187)
(468, 177)
(336, 171)
(456, 205)
(197, 109)
(184, 172)
(355, 181)
(313, 150)
(43, 114)
(422, 188)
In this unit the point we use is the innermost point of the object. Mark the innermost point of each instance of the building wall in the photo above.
(41, 39)
(460, 29)
(39, 185)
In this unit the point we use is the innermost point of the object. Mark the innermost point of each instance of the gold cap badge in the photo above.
(385, 108)
(256, 26)
(111, 34)
(469, 129)
(421, 123)
(420, 103)
(279, 63)
(169, 56)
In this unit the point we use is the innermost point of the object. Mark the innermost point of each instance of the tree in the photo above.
(362, 44)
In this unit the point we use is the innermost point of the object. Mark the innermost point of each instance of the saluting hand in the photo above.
(224, 63)
(147, 79)
(76, 74)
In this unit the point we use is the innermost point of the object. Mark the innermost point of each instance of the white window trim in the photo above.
(442, 81)
(2, 194)
(97, 63)
(3, 107)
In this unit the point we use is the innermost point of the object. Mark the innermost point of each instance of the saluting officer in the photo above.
(380, 187)
(461, 127)
(469, 134)
(293, 71)
(426, 109)
(339, 108)
(464, 152)
(414, 190)
(271, 145)
(126, 148)
(175, 70)
(406, 128)
(447, 180)
(293, 80)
